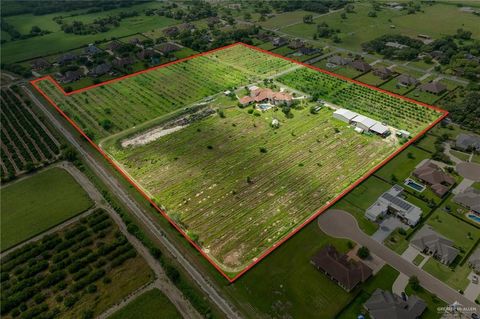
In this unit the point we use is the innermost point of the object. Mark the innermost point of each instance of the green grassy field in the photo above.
(358, 28)
(33, 205)
(399, 168)
(149, 305)
(58, 41)
(286, 285)
(456, 278)
(280, 20)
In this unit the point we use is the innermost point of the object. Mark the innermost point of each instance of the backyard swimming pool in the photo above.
(264, 107)
(414, 185)
(474, 217)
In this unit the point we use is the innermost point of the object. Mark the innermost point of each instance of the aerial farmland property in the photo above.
(240, 148)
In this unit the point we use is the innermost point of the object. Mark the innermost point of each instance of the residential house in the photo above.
(383, 73)
(145, 54)
(383, 304)
(91, 50)
(429, 173)
(469, 198)
(66, 58)
(467, 142)
(407, 80)
(71, 76)
(346, 273)
(264, 36)
(395, 45)
(40, 64)
(474, 261)
(279, 41)
(361, 66)
(338, 60)
(391, 202)
(266, 95)
(114, 46)
(171, 31)
(100, 70)
(429, 242)
(123, 62)
(308, 50)
(296, 44)
(434, 87)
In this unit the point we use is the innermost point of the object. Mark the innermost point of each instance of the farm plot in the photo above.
(78, 272)
(280, 179)
(394, 111)
(25, 141)
(235, 185)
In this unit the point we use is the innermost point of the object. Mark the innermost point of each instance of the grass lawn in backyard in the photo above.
(282, 176)
(371, 79)
(393, 86)
(399, 168)
(427, 142)
(384, 280)
(461, 233)
(184, 52)
(37, 203)
(149, 305)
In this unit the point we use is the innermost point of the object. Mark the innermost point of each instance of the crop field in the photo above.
(78, 272)
(231, 182)
(25, 141)
(394, 111)
(45, 207)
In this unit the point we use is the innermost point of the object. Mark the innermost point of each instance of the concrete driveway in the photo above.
(387, 226)
(340, 224)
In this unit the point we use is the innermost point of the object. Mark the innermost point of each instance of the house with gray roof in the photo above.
(434, 87)
(386, 305)
(338, 60)
(466, 142)
(391, 202)
(469, 198)
(432, 243)
(407, 80)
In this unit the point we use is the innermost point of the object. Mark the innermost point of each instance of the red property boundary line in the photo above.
(311, 218)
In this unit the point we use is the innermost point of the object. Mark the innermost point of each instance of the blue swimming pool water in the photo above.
(474, 217)
(264, 106)
(416, 186)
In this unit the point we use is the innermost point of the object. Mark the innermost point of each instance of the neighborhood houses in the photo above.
(385, 305)
(429, 173)
(391, 202)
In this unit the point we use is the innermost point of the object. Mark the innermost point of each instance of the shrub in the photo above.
(363, 252)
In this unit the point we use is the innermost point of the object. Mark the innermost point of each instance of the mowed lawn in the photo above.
(33, 205)
(286, 285)
(152, 304)
(237, 180)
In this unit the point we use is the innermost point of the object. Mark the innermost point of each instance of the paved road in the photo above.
(338, 223)
(208, 287)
